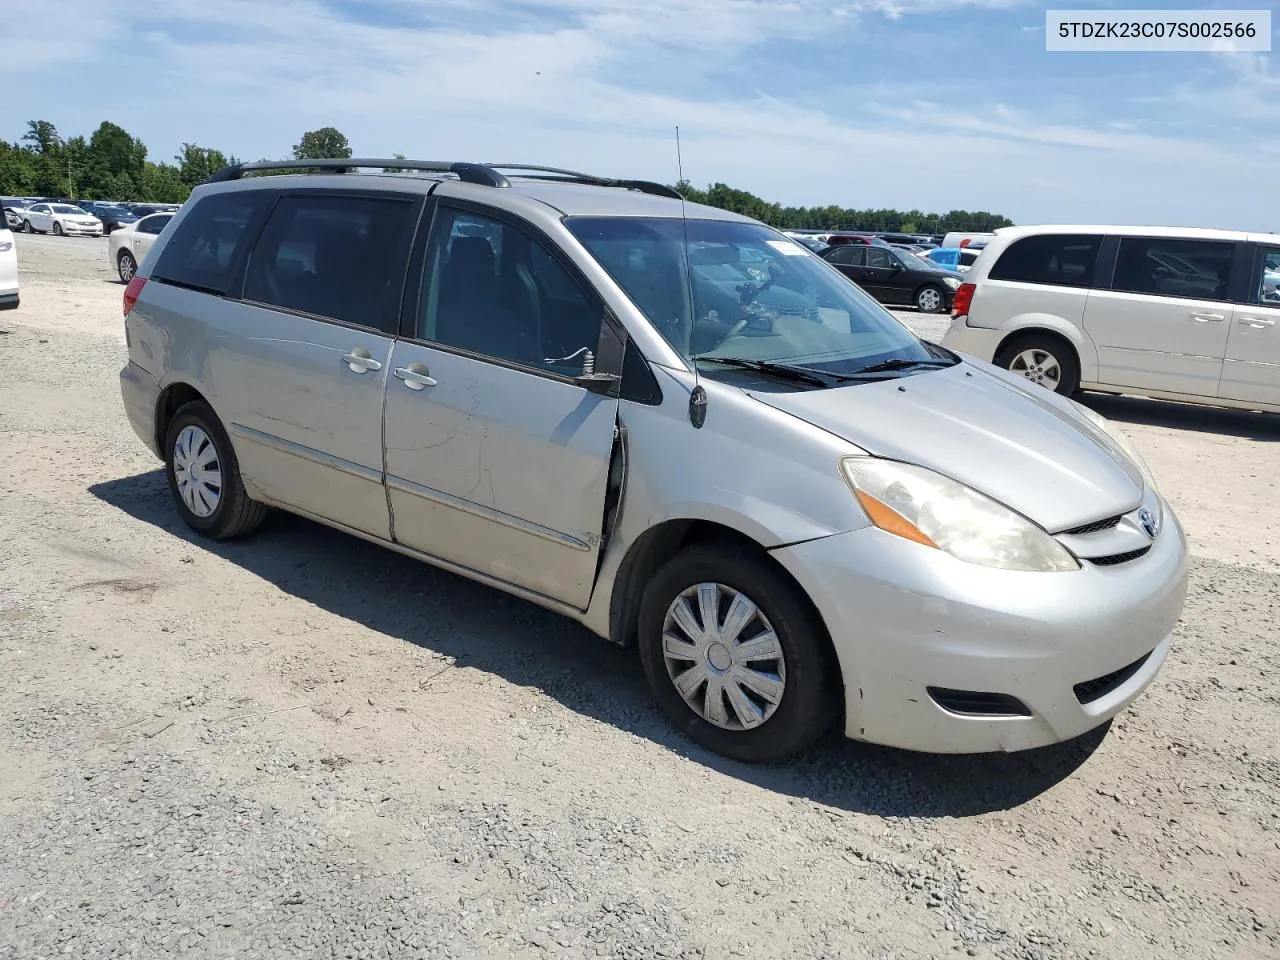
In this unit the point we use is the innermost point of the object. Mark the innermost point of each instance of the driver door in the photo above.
(40, 218)
(497, 457)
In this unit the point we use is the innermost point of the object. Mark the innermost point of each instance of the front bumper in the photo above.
(974, 341)
(141, 395)
(905, 618)
(79, 230)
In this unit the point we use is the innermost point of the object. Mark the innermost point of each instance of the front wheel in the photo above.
(126, 266)
(57, 229)
(736, 656)
(27, 227)
(1043, 359)
(929, 299)
(204, 476)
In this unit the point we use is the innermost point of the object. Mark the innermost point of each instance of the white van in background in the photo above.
(955, 239)
(1177, 313)
(8, 270)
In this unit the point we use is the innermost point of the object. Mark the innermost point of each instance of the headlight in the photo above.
(951, 282)
(936, 511)
(1122, 444)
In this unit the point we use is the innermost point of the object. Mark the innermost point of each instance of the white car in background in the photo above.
(8, 270)
(128, 246)
(61, 219)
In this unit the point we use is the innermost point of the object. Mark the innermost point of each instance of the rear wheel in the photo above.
(929, 299)
(126, 266)
(736, 656)
(1043, 359)
(204, 476)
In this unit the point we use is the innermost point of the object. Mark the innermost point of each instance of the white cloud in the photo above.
(592, 84)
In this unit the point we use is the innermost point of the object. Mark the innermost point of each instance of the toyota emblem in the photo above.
(1149, 522)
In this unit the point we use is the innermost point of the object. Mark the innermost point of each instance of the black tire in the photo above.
(27, 227)
(811, 697)
(126, 266)
(1063, 354)
(930, 299)
(57, 229)
(236, 513)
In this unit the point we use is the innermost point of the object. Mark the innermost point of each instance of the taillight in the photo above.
(131, 293)
(961, 301)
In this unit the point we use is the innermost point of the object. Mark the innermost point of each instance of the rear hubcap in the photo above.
(723, 656)
(1038, 366)
(197, 471)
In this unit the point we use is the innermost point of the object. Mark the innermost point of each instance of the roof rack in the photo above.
(573, 176)
(485, 174)
(469, 172)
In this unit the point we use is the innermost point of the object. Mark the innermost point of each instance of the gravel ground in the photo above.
(301, 745)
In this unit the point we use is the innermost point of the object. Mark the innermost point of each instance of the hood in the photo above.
(1031, 453)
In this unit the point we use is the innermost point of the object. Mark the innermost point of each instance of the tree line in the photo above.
(113, 165)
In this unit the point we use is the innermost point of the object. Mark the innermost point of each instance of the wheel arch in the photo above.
(172, 398)
(1048, 325)
(660, 543)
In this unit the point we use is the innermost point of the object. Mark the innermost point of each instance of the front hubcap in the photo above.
(929, 300)
(1038, 366)
(723, 656)
(197, 471)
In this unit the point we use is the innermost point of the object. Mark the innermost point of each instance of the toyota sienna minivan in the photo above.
(668, 422)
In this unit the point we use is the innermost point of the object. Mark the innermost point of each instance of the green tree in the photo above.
(44, 135)
(323, 144)
(197, 164)
(162, 183)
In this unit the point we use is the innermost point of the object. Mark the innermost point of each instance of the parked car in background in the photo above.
(798, 512)
(61, 219)
(814, 244)
(13, 209)
(955, 239)
(863, 239)
(113, 217)
(1175, 313)
(959, 259)
(8, 270)
(896, 277)
(130, 245)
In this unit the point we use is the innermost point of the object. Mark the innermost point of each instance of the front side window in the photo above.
(880, 257)
(333, 256)
(202, 254)
(1194, 269)
(1268, 291)
(493, 289)
(1057, 259)
(724, 289)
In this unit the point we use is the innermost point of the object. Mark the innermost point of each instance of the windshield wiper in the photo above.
(901, 363)
(818, 378)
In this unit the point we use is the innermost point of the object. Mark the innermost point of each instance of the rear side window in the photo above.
(1064, 260)
(203, 253)
(848, 255)
(333, 256)
(153, 224)
(1194, 269)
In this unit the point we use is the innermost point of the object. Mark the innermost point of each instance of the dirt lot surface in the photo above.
(300, 745)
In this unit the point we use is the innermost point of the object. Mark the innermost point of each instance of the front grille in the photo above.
(1096, 689)
(1096, 527)
(971, 703)
(1117, 558)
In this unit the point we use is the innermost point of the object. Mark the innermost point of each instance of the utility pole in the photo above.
(71, 189)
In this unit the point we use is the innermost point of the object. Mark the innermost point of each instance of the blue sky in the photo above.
(931, 104)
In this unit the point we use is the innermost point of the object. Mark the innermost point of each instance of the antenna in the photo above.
(679, 161)
(697, 396)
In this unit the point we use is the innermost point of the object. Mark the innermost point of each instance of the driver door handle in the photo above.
(1206, 317)
(415, 376)
(360, 361)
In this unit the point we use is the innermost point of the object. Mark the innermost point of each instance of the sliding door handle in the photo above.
(1257, 322)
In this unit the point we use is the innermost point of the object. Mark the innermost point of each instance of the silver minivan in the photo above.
(670, 423)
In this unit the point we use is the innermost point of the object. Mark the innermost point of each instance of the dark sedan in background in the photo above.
(112, 215)
(896, 277)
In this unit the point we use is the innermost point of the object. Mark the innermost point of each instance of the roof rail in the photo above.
(485, 174)
(469, 172)
(573, 176)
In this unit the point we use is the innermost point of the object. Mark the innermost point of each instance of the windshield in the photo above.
(744, 290)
